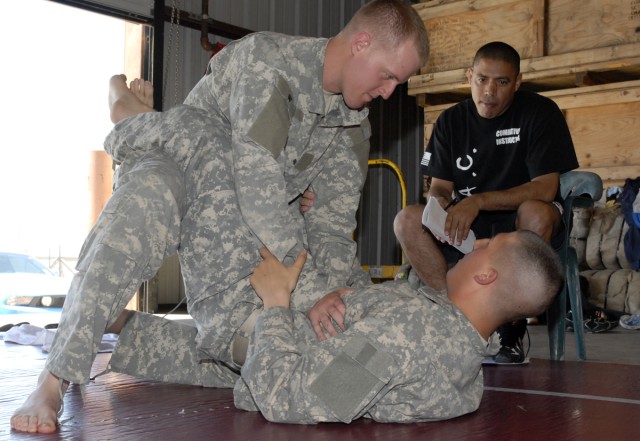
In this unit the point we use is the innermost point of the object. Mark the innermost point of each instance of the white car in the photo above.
(28, 286)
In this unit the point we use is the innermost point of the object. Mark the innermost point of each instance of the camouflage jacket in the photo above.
(405, 356)
(266, 104)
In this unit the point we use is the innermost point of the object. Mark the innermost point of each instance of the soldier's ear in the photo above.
(360, 42)
(486, 276)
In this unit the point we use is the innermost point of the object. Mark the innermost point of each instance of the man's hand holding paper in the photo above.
(434, 217)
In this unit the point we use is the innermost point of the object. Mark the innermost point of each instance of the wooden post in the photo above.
(100, 183)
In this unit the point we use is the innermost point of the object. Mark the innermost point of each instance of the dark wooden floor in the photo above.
(544, 400)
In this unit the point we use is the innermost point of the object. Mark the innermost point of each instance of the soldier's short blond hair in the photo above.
(392, 22)
(532, 275)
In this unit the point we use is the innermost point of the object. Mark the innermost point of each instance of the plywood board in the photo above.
(458, 29)
(606, 136)
(614, 93)
(556, 71)
(574, 25)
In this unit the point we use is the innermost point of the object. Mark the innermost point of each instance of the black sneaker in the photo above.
(599, 324)
(511, 354)
(512, 343)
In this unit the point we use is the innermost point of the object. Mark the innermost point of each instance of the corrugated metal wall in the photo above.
(397, 136)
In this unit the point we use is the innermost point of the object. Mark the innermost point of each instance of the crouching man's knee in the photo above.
(543, 218)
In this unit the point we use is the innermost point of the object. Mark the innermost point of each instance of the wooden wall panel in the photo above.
(606, 140)
(456, 30)
(586, 24)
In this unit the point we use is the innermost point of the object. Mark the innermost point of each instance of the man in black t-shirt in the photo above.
(494, 161)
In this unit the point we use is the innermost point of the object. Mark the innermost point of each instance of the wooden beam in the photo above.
(613, 93)
(604, 94)
(617, 173)
(430, 10)
(593, 60)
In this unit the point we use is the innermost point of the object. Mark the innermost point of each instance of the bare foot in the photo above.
(39, 413)
(128, 101)
(142, 89)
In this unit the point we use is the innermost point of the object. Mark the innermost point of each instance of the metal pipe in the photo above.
(204, 29)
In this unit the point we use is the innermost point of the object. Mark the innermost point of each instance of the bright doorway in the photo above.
(57, 61)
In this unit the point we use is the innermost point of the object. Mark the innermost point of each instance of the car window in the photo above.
(15, 263)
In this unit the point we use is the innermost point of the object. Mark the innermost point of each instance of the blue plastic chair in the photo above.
(579, 189)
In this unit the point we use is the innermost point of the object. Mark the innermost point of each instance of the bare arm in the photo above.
(462, 215)
(274, 281)
(542, 188)
(442, 190)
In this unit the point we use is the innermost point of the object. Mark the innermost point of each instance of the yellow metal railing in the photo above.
(388, 271)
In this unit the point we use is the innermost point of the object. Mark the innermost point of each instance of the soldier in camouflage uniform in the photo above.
(215, 180)
(404, 355)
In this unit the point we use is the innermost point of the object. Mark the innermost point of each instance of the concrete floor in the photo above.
(616, 346)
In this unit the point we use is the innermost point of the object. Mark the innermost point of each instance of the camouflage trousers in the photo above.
(159, 349)
(156, 210)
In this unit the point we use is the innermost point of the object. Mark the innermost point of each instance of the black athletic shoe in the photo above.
(513, 354)
(512, 343)
(599, 323)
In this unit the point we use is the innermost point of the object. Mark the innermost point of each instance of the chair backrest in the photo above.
(581, 183)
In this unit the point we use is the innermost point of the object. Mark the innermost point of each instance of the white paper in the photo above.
(434, 217)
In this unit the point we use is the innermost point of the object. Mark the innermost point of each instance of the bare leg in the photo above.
(40, 410)
(128, 101)
(39, 413)
(540, 217)
(420, 247)
(117, 326)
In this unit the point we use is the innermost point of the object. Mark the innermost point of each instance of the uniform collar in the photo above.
(441, 299)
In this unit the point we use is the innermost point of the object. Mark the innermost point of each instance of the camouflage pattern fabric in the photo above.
(257, 88)
(171, 356)
(214, 180)
(416, 352)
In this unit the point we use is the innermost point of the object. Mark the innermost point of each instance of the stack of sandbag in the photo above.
(597, 235)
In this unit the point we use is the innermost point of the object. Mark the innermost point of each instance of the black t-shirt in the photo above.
(478, 155)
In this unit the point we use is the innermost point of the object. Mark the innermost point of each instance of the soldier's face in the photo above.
(376, 71)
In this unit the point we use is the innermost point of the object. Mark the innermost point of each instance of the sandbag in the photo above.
(581, 222)
(592, 251)
(598, 283)
(611, 229)
(616, 296)
(622, 258)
